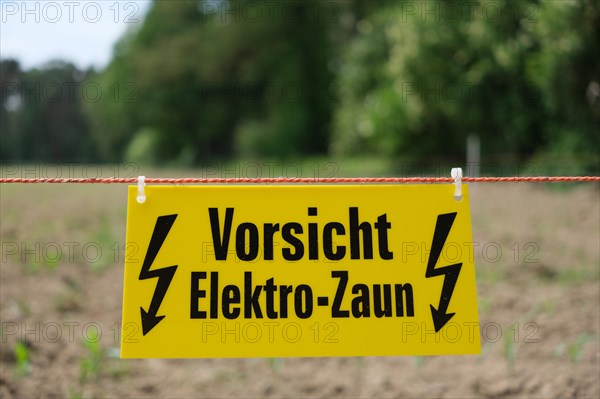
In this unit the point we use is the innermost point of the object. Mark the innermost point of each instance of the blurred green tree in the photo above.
(415, 83)
(42, 118)
(410, 79)
(566, 70)
(223, 78)
(10, 80)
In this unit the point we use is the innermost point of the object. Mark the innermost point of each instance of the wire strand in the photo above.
(302, 180)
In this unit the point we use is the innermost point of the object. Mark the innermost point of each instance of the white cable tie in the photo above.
(141, 197)
(457, 175)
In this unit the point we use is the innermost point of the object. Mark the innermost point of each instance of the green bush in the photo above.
(144, 148)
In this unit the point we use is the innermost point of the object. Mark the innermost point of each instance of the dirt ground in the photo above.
(538, 287)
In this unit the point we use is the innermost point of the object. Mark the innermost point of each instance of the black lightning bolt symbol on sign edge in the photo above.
(442, 229)
(164, 275)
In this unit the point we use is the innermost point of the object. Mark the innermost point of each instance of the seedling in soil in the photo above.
(76, 395)
(509, 350)
(90, 365)
(573, 349)
(572, 277)
(32, 266)
(276, 364)
(419, 361)
(105, 238)
(484, 305)
(52, 262)
(22, 358)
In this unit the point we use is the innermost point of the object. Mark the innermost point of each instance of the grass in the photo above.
(312, 167)
(488, 274)
(577, 276)
(32, 261)
(419, 361)
(485, 305)
(105, 240)
(91, 363)
(22, 358)
(52, 262)
(510, 351)
(276, 364)
(39, 256)
(573, 349)
(75, 395)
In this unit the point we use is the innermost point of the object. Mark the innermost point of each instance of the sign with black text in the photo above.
(299, 270)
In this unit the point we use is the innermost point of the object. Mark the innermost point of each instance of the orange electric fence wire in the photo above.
(266, 180)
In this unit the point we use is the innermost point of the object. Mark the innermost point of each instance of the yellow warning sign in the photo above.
(302, 270)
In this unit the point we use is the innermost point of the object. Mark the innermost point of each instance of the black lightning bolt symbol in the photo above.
(164, 275)
(450, 273)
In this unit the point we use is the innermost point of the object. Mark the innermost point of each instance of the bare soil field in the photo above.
(537, 258)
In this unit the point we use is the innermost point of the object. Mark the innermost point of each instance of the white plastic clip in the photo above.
(457, 175)
(141, 197)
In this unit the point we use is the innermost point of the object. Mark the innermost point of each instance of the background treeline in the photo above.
(223, 79)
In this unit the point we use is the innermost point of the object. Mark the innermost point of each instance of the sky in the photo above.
(81, 32)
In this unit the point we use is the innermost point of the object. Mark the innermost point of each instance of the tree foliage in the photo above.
(237, 81)
(257, 78)
(417, 86)
(41, 114)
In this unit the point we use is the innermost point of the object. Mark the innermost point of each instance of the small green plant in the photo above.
(509, 350)
(275, 363)
(419, 361)
(75, 395)
(575, 276)
(489, 275)
(32, 265)
(484, 305)
(573, 349)
(549, 306)
(22, 358)
(90, 365)
(52, 262)
(105, 239)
